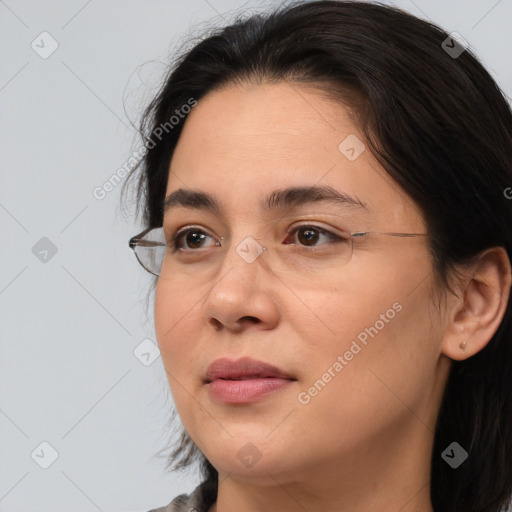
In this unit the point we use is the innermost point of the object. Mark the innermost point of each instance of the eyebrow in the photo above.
(280, 199)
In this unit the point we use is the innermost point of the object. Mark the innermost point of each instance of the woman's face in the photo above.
(356, 342)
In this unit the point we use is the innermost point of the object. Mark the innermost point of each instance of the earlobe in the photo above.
(479, 309)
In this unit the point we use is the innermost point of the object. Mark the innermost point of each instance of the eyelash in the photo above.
(176, 238)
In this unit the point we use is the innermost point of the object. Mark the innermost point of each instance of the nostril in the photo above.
(216, 324)
(237, 326)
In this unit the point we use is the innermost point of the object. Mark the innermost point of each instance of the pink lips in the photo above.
(245, 380)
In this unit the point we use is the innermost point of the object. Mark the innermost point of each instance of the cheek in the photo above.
(369, 348)
(173, 314)
(177, 325)
(374, 388)
(165, 308)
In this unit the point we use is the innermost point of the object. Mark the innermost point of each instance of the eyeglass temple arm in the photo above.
(138, 240)
(134, 242)
(367, 233)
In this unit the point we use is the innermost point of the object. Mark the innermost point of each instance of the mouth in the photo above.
(248, 377)
(245, 380)
(243, 369)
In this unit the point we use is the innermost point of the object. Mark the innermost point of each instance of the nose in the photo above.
(244, 293)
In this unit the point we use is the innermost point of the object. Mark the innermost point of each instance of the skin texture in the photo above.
(364, 442)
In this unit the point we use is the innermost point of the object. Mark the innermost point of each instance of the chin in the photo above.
(250, 456)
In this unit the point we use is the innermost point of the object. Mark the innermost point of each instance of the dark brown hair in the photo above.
(441, 128)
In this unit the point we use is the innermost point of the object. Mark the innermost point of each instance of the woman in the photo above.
(324, 190)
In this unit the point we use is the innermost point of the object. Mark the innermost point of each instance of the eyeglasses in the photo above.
(150, 248)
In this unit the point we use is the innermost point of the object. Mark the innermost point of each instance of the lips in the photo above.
(243, 369)
(244, 381)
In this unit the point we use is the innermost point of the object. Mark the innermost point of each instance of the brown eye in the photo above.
(192, 237)
(308, 236)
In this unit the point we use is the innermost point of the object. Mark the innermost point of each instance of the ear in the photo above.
(475, 315)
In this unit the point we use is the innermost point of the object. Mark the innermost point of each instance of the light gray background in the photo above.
(68, 374)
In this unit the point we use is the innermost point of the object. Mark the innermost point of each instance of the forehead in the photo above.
(242, 143)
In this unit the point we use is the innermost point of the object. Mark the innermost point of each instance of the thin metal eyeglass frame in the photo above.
(139, 241)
